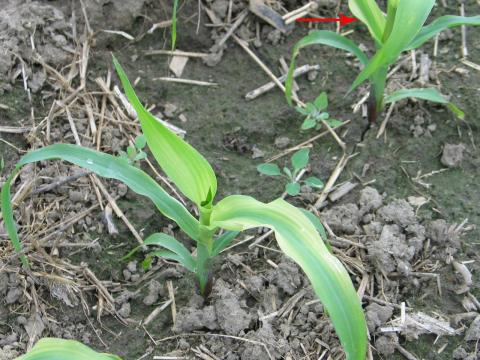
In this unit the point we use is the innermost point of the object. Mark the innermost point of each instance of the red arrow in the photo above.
(343, 20)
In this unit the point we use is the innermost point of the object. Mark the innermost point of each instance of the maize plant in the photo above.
(217, 223)
(401, 29)
(59, 349)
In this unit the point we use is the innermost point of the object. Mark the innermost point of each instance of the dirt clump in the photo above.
(452, 155)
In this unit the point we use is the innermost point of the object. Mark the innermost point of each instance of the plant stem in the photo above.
(204, 252)
(377, 91)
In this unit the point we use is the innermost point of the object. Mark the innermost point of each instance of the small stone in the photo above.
(257, 153)
(432, 127)
(282, 142)
(125, 310)
(452, 155)
(312, 75)
(127, 274)
(473, 332)
(169, 110)
(76, 196)
(13, 295)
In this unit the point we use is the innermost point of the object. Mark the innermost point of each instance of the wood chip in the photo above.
(177, 65)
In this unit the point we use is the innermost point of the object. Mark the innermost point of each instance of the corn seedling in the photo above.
(400, 29)
(59, 349)
(217, 224)
(315, 114)
(299, 162)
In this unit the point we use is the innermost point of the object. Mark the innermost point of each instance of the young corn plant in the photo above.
(299, 162)
(314, 112)
(59, 349)
(402, 28)
(217, 224)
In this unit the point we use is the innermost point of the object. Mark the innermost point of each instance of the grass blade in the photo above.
(370, 14)
(168, 242)
(409, 19)
(440, 24)
(60, 349)
(8, 220)
(112, 167)
(187, 168)
(322, 37)
(429, 94)
(299, 240)
(174, 24)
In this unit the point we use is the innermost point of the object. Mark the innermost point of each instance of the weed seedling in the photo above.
(135, 151)
(400, 29)
(218, 223)
(299, 162)
(315, 114)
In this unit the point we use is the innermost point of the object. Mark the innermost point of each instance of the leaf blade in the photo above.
(269, 169)
(299, 239)
(60, 349)
(370, 14)
(223, 241)
(187, 168)
(109, 166)
(173, 245)
(300, 159)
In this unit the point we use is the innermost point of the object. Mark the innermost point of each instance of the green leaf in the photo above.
(440, 24)
(292, 189)
(288, 172)
(368, 12)
(321, 102)
(59, 349)
(182, 255)
(269, 169)
(107, 166)
(299, 239)
(314, 182)
(333, 123)
(300, 159)
(302, 110)
(308, 123)
(189, 170)
(140, 142)
(9, 223)
(429, 94)
(409, 19)
(323, 37)
(140, 156)
(317, 223)
(174, 24)
(223, 241)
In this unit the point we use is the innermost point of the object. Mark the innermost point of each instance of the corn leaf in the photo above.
(409, 19)
(174, 24)
(328, 38)
(370, 14)
(107, 166)
(440, 24)
(429, 94)
(189, 170)
(59, 349)
(177, 249)
(223, 241)
(298, 238)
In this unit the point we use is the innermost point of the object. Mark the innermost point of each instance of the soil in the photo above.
(401, 233)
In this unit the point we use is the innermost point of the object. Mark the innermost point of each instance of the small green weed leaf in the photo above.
(321, 102)
(223, 241)
(308, 123)
(168, 242)
(131, 152)
(440, 24)
(187, 168)
(409, 19)
(324, 116)
(300, 159)
(269, 169)
(328, 38)
(147, 263)
(299, 239)
(315, 182)
(60, 349)
(292, 189)
(140, 156)
(310, 108)
(140, 142)
(288, 172)
(370, 14)
(429, 94)
(302, 110)
(333, 123)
